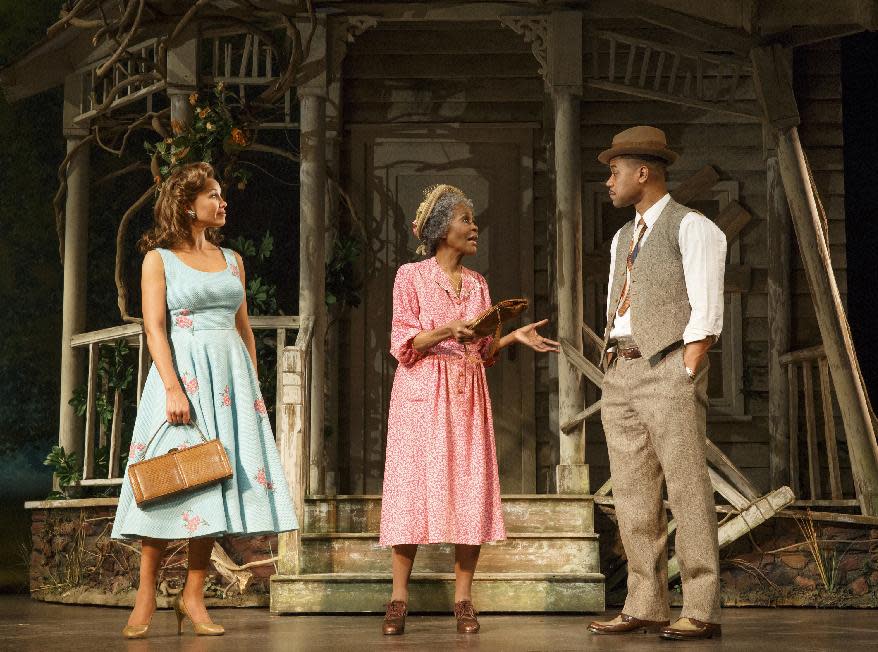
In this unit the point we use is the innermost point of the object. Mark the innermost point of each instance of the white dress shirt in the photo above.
(703, 246)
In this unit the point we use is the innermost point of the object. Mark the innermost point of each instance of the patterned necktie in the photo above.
(633, 250)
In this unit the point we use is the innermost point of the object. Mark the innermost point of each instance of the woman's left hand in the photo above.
(528, 336)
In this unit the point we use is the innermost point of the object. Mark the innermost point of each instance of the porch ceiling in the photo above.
(729, 25)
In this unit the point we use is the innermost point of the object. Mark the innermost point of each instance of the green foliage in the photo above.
(261, 300)
(342, 285)
(65, 465)
(116, 370)
(215, 136)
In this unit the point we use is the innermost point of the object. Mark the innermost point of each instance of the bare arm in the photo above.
(154, 307)
(457, 329)
(242, 319)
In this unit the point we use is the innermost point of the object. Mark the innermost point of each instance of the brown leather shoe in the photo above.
(629, 625)
(704, 630)
(394, 618)
(467, 623)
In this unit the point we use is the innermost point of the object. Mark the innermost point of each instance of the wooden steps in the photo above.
(434, 592)
(549, 561)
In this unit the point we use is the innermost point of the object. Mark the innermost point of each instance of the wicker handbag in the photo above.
(490, 321)
(178, 470)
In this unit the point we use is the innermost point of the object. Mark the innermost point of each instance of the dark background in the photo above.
(32, 146)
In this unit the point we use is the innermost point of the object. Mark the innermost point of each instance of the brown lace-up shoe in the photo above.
(627, 624)
(394, 619)
(467, 623)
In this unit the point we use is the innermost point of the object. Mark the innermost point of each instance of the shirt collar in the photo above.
(652, 213)
(441, 278)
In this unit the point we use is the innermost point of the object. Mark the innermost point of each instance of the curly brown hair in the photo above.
(171, 225)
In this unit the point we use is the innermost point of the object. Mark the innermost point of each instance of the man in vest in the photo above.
(664, 311)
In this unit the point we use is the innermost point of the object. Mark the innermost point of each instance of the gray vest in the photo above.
(659, 303)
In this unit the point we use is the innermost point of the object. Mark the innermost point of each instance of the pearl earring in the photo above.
(191, 213)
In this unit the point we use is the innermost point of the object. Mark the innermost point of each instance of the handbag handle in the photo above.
(166, 423)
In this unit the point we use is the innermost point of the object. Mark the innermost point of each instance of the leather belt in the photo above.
(629, 354)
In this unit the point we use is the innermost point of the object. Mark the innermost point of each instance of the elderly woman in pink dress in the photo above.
(440, 476)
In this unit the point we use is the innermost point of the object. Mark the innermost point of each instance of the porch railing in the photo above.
(818, 399)
(96, 436)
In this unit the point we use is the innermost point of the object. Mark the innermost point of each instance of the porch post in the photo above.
(779, 305)
(182, 82)
(312, 259)
(564, 77)
(773, 74)
(75, 257)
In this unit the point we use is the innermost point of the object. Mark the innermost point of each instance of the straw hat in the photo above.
(431, 196)
(639, 140)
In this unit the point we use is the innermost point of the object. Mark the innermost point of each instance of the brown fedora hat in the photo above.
(639, 140)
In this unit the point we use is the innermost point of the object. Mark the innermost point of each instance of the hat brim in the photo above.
(663, 153)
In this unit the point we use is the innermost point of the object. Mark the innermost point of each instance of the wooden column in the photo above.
(564, 77)
(312, 257)
(75, 269)
(182, 82)
(779, 303)
(773, 73)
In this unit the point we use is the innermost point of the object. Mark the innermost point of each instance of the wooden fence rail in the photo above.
(817, 398)
(94, 435)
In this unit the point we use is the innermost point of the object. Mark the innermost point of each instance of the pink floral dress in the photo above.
(440, 473)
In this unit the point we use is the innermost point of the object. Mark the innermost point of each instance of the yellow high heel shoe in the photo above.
(136, 631)
(201, 629)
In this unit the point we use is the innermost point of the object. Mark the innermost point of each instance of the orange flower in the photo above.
(193, 99)
(202, 112)
(238, 137)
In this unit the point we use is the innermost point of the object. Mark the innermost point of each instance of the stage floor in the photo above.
(28, 625)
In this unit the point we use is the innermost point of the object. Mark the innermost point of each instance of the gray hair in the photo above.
(436, 225)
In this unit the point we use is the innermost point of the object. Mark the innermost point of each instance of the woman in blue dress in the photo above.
(204, 371)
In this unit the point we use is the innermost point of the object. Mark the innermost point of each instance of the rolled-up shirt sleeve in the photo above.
(703, 248)
(406, 317)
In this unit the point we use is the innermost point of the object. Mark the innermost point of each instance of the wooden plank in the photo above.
(732, 219)
(811, 430)
(793, 383)
(586, 368)
(737, 279)
(270, 322)
(725, 489)
(106, 335)
(695, 186)
(719, 460)
(448, 66)
(777, 310)
(577, 420)
(445, 90)
(115, 436)
(756, 514)
(829, 431)
(803, 355)
(88, 452)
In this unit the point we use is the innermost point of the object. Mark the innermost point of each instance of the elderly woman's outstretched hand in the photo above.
(528, 336)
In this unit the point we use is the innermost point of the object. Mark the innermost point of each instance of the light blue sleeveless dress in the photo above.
(217, 375)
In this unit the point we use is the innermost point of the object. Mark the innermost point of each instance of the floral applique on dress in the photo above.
(226, 397)
(259, 406)
(189, 384)
(235, 271)
(183, 319)
(263, 480)
(192, 521)
(135, 449)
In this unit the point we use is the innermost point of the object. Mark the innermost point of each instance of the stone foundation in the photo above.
(73, 560)
(774, 566)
